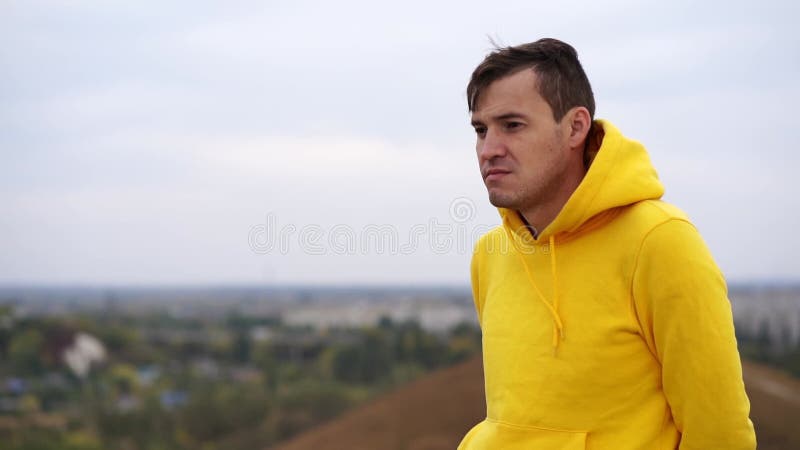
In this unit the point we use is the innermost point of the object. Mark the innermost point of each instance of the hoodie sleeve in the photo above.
(680, 298)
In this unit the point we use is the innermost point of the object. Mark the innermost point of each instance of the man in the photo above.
(606, 323)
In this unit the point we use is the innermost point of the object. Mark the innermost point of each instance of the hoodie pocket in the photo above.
(491, 435)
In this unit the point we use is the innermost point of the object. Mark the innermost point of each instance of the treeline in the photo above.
(172, 383)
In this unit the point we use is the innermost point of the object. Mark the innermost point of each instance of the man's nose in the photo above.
(491, 146)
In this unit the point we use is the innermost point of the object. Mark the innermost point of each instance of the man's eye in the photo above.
(480, 131)
(513, 125)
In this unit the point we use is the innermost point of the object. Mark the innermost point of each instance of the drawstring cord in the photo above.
(558, 332)
(558, 326)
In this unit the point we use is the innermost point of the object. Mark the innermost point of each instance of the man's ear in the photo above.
(580, 122)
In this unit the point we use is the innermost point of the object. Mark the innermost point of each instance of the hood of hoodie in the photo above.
(619, 174)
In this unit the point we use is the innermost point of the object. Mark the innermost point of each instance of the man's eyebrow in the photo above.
(511, 115)
(505, 116)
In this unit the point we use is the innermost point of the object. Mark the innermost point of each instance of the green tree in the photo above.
(25, 352)
(367, 361)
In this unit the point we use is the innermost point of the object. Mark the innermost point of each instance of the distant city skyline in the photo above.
(166, 145)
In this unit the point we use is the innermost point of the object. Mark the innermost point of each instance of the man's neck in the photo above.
(540, 216)
(531, 228)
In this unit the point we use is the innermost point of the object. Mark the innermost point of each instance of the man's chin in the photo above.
(501, 200)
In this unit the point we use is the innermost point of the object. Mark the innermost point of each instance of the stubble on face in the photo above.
(535, 189)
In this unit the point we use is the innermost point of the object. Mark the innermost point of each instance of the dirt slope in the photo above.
(434, 413)
(774, 407)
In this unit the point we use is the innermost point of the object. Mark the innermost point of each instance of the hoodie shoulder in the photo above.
(640, 218)
(662, 211)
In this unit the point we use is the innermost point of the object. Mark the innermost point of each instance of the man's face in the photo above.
(522, 150)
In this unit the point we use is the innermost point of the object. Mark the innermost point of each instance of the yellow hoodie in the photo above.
(611, 330)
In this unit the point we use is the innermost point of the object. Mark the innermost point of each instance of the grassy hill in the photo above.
(434, 412)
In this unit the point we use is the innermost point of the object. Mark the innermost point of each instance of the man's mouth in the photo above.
(495, 174)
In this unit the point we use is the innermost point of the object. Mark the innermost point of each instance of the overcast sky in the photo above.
(269, 142)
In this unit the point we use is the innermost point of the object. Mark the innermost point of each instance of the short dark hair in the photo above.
(561, 80)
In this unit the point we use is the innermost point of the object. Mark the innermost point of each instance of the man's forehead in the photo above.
(493, 108)
(506, 94)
